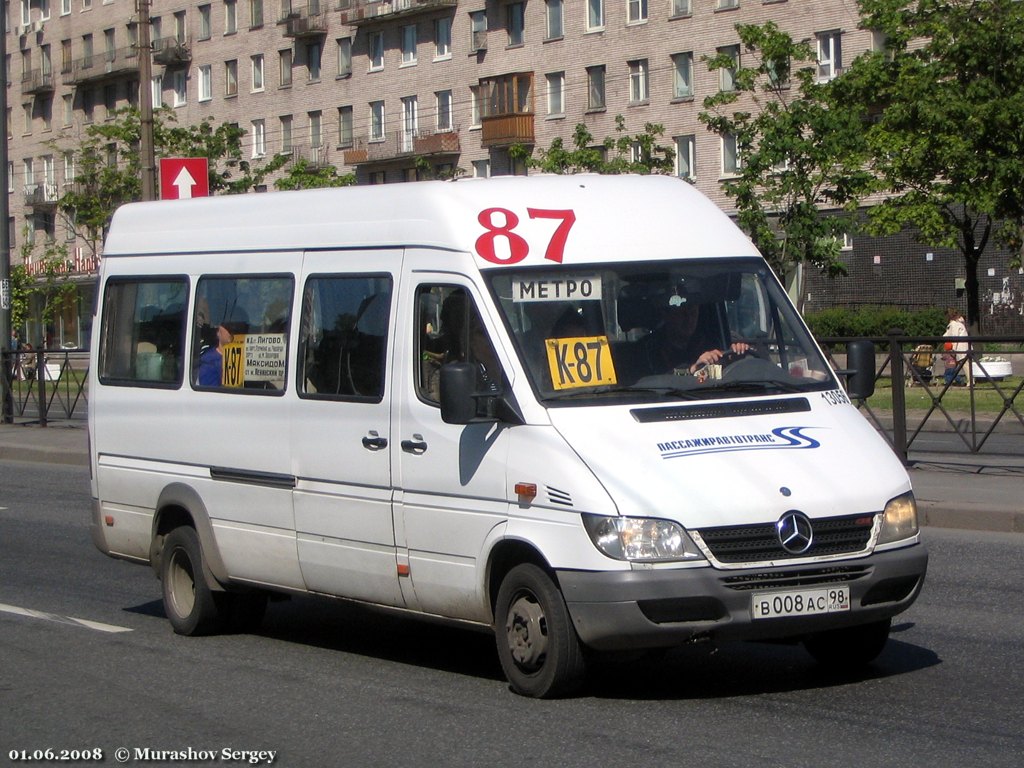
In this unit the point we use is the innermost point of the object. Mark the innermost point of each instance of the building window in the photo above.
(442, 39)
(515, 23)
(205, 82)
(376, 121)
(255, 14)
(724, 5)
(553, 18)
(408, 45)
(475, 108)
(410, 122)
(344, 56)
(478, 31)
(180, 88)
(313, 52)
(682, 75)
(732, 164)
(727, 75)
(830, 55)
(595, 87)
(230, 17)
(638, 81)
(444, 110)
(556, 94)
(231, 77)
(686, 157)
(68, 100)
(636, 11)
(284, 67)
(205, 25)
(595, 15)
(257, 72)
(481, 169)
(344, 126)
(376, 51)
(316, 131)
(65, 7)
(286, 134)
(681, 8)
(157, 83)
(259, 138)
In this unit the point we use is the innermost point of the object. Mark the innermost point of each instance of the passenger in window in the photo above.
(465, 340)
(678, 344)
(211, 359)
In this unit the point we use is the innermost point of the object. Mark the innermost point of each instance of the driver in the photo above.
(676, 346)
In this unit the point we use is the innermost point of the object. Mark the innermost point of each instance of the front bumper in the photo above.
(622, 610)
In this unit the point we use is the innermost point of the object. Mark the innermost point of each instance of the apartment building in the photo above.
(388, 90)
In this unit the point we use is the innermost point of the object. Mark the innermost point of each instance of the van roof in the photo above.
(612, 218)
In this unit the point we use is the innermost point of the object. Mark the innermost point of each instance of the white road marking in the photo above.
(97, 625)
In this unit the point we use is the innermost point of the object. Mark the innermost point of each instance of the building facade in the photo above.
(390, 91)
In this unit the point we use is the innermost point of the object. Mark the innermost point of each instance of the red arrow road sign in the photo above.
(184, 177)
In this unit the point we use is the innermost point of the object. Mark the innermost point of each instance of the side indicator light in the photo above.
(109, 520)
(526, 491)
(403, 569)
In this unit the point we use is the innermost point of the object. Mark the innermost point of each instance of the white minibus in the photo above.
(578, 410)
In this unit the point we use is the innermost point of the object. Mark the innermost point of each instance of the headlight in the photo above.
(640, 538)
(899, 520)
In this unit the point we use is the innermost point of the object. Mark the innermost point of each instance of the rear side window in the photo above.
(241, 333)
(142, 337)
(343, 341)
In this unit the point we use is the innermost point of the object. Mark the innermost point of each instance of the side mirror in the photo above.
(860, 373)
(458, 385)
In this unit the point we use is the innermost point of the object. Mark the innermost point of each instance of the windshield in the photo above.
(649, 331)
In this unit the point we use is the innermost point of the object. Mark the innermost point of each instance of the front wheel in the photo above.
(188, 602)
(850, 647)
(537, 643)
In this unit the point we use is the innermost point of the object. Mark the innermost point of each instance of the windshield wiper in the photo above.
(684, 394)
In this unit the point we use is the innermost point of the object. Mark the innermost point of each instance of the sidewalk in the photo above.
(983, 493)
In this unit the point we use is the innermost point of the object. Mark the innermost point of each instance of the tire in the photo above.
(188, 602)
(849, 648)
(537, 644)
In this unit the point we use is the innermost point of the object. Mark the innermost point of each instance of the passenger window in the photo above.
(450, 330)
(142, 340)
(343, 341)
(241, 333)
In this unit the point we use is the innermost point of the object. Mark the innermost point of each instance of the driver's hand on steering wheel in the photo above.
(714, 355)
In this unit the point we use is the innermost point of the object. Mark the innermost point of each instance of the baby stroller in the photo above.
(921, 361)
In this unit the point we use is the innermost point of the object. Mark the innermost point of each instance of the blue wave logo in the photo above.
(782, 438)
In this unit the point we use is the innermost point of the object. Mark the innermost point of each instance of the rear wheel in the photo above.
(850, 647)
(537, 643)
(188, 601)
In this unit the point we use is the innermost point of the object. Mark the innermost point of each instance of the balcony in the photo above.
(402, 145)
(41, 196)
(109, 65)
(301, 21)
(359, 12)
(508, 110)
(314, 157)
(171, 52)
(506, 130)
(37, 81)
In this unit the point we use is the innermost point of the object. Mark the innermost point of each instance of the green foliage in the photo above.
(800, 151)
(873, 322)
(946, 101)
(48, 282)
(21, 291)
(624, 153)
(301, 175)
(108, 169)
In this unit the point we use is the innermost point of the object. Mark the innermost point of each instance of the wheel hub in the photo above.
(527, 633)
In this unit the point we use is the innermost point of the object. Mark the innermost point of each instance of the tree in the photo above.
(108, 172)
(302, 175)
(946, 100)
(624, 153)
(44, 279)
(798, 151)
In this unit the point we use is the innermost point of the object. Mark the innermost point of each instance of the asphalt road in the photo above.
(326, 683)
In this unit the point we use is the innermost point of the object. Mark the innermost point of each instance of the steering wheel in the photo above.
(730, 357)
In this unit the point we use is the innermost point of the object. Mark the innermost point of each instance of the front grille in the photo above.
(802, 578)
(760, 542)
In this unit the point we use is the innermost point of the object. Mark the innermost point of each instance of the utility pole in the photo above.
(6, 399)
(147, 159)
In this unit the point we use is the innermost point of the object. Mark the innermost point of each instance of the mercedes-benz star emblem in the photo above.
(795, 532)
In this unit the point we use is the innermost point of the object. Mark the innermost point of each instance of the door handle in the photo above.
(416, 445)
(374, 442)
